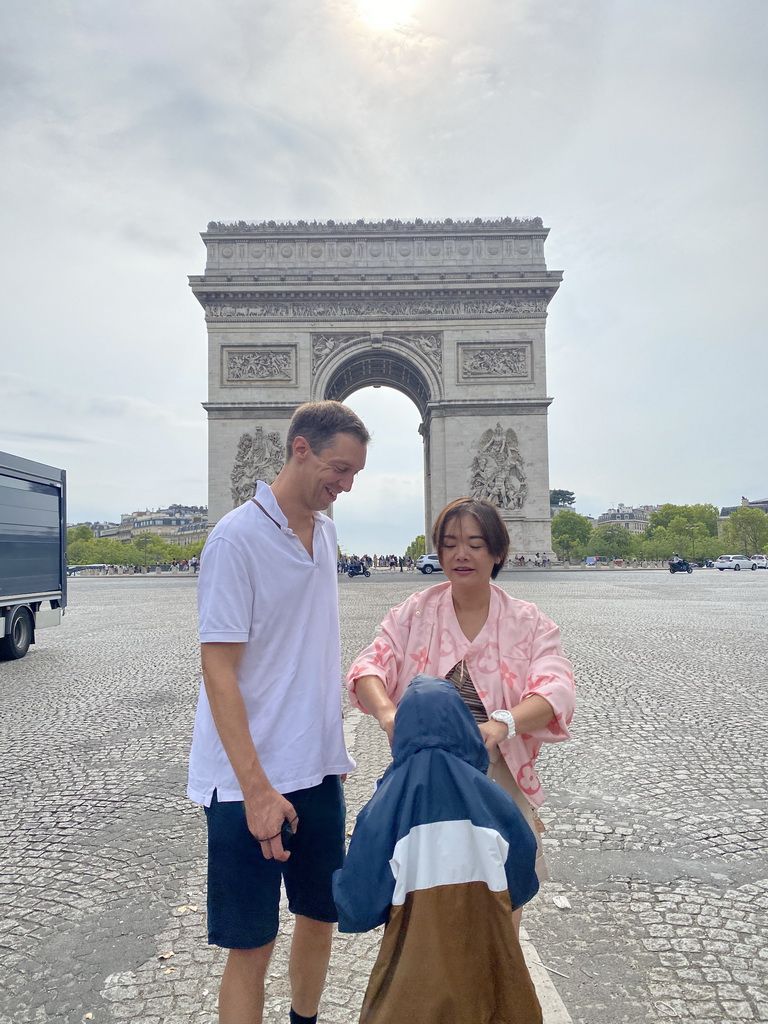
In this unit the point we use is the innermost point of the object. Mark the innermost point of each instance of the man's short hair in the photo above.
(492, 528)
(319, 422)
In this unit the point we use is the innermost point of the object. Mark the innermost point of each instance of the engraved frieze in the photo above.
(242, 365)
(497, 472)
(375, 308)
(258, 457)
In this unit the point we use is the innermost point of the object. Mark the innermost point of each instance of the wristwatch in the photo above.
(507, 718)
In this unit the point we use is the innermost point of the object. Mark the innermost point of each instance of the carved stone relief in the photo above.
(243, 365)
(430, 344)
(323, 345)
(361, 309)
(497, 472)
(257, 458)
(511, 362)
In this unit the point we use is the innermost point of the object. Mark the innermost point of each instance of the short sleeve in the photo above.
(224, 595)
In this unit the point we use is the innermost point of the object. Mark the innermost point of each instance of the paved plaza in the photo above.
(656, 837)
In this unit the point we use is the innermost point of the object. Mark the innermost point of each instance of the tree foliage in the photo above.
(747, 531)
(146, 549)
(612, 540)
(561, 499)
(417, 547)
(693, 515)
(570, 535)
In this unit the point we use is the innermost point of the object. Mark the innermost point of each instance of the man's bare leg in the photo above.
(308, 966)
(241, 997)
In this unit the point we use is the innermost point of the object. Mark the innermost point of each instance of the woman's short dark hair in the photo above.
(491, 525)
(319, 422)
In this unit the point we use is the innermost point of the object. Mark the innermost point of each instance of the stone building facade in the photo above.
(452, 314)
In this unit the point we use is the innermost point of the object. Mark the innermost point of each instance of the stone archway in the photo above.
(451, 314)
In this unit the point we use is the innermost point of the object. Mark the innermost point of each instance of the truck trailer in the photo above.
(33, 550)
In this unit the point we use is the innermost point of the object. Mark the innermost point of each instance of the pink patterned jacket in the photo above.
(516, 654)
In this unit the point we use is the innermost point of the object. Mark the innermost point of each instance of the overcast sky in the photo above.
(635, 128)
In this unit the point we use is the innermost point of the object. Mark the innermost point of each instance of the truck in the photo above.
(33, 551)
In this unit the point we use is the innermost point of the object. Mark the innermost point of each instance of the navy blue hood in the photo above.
(431, 714)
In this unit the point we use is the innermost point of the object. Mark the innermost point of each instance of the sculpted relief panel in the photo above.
(258, 457)
(246, 365)
(497, 472)
(497, 363)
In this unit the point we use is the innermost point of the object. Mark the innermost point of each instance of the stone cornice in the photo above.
(382, 227)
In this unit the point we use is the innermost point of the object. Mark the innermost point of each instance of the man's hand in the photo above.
(266, 812)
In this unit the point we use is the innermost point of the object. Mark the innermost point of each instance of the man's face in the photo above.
(333, 469)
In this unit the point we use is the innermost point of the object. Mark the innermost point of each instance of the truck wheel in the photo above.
(16, 643)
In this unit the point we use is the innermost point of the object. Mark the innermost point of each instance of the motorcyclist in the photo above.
(676, 559)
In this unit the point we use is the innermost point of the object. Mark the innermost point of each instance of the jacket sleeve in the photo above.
(363, 888)
(550, 675)
(385, 656)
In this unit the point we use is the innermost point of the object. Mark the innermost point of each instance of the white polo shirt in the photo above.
(258, 585)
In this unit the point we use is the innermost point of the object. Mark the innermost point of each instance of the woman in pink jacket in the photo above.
(504, 656)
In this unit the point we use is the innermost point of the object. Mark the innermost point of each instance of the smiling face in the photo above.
(464, 553)
(331, 470)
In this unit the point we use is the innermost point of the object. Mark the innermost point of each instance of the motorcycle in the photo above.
(358, 570)
(681, 566)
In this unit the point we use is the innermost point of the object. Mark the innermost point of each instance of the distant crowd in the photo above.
(395, 563)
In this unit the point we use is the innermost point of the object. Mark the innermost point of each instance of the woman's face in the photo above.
(464, 554)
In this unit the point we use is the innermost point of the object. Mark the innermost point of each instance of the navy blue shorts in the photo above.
(244, 887)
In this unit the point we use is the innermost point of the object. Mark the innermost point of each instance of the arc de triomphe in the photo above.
(452, 314)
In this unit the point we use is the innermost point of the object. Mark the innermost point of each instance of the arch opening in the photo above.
(379, 369)
(385, 510)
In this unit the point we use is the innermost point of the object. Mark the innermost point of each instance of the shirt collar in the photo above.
(266, 497)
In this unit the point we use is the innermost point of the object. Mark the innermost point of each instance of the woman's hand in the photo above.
(373, 696)
(386, 720)
(493, 733)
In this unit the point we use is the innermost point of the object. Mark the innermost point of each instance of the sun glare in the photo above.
(385, 15)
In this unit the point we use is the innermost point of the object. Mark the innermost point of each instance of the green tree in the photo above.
(612, 541)
(704, 515)
(747, 531)
(79, 533)
(417, 547)
(561, 499)
(570, 535)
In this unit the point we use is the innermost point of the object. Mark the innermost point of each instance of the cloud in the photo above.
(637, 131)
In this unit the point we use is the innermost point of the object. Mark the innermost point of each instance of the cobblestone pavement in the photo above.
(657, 829)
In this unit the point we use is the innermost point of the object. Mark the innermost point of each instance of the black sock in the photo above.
(296, 1018)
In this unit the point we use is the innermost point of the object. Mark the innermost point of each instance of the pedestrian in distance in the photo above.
(268, 754)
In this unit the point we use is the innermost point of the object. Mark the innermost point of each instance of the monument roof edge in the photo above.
(381, 227)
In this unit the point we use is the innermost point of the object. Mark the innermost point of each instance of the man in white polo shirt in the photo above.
(268, 747)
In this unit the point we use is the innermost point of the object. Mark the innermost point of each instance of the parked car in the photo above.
(428, 564)
(761, 561)
(736, 562)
